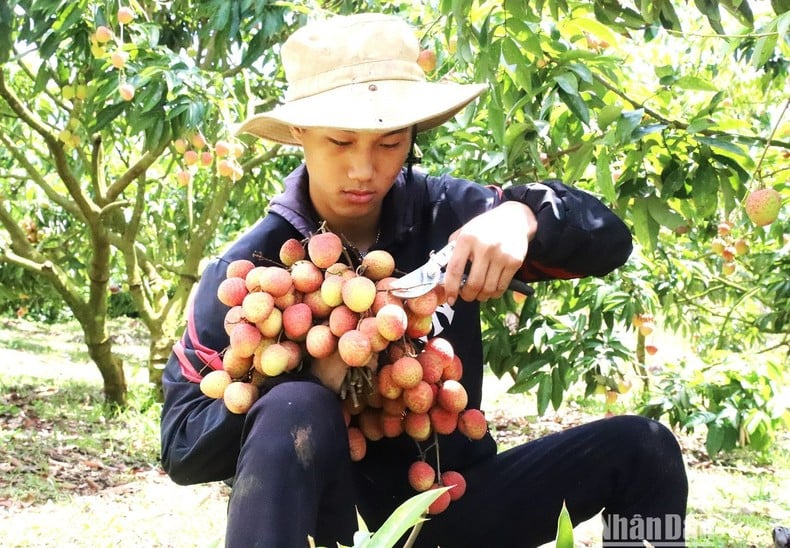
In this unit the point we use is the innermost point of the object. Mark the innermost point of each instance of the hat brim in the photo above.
(371, 106)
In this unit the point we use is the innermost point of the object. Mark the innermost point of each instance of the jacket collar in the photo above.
(400, 210)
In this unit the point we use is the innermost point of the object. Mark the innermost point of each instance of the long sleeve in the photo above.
(200, 438)
(577, 234)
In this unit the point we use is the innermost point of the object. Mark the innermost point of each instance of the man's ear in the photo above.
(296, 133)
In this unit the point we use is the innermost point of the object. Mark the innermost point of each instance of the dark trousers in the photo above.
(294, 478)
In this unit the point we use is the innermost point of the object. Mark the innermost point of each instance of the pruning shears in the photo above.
(420, 281)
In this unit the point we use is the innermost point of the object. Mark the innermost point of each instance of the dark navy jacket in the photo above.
(577, 236)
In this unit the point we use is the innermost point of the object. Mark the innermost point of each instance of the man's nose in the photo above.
(361, 165)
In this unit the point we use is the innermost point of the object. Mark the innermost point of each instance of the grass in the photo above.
(72, 474)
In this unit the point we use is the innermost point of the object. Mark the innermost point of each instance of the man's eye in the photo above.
(391, 145)
(339, 143)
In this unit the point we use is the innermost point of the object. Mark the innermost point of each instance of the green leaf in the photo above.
(626, 125)
(564, 529)
(579, 161)
(724, 145)
(107, 115)
(511, 52)
(603, 175)
(568, 83)
(710, 8)
(700, 124)
(597, 29)
(556, 388)
(764, 47)
(405, 516)
(544, 394)
(663, 214)
(645, 228)
(576, 105)
(608, 114)
(695, 83)
(6, 41)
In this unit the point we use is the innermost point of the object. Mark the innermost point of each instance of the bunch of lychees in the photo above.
(313, 305)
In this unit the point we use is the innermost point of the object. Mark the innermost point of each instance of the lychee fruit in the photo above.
(214, 383)
(354, 348)
(239, 268)
(377, 264)
(320, 342)
(439, 505)
(291, 251)
(406, 372)
(244, 337)
(456, 482)
(324, 249)
(452, 396)
(297, 321)
(358, 293)
(422, 476)
(391, 321)
(239, 396)
(419, 398)
(472, 424)
(257, 306)
(417, 426)
(762, 206)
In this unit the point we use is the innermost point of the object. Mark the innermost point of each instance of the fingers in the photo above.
(489, 274)
(454, 271)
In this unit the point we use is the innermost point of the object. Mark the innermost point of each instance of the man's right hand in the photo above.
(330, 371)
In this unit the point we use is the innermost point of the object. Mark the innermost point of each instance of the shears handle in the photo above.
(521, 287)
(442, 257)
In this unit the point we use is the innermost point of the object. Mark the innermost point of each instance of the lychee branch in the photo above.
(135, 171)
(682, 125)
(55, 147)
(37, 178)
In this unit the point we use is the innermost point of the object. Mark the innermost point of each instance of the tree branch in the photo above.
(38, 179)
(22, 254)
(134, 172)
(682, 125)
(55, 147)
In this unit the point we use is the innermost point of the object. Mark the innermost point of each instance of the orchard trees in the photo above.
(679, 122)
(116, 159)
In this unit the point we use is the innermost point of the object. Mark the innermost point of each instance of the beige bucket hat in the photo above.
(360, 73)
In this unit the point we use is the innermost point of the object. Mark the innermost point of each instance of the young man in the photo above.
(356, 98)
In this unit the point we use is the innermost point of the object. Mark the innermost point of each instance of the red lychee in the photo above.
(239, 396)
(214, 383)
(291, 251)
(231, 291)
(456, 482)
(324, 249)
(239, 268)
(422, 476)
(354, 348)
(406, 372)
(472, 424)
(452, 396)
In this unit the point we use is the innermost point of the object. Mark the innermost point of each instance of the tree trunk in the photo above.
(111, 368)
(161, 346)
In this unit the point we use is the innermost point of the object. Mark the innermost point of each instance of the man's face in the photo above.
(351, 172)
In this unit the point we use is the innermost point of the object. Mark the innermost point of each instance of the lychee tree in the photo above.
(674, 120)
(104, 108)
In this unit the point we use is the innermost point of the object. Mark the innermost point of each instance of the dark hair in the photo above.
(412, 158)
